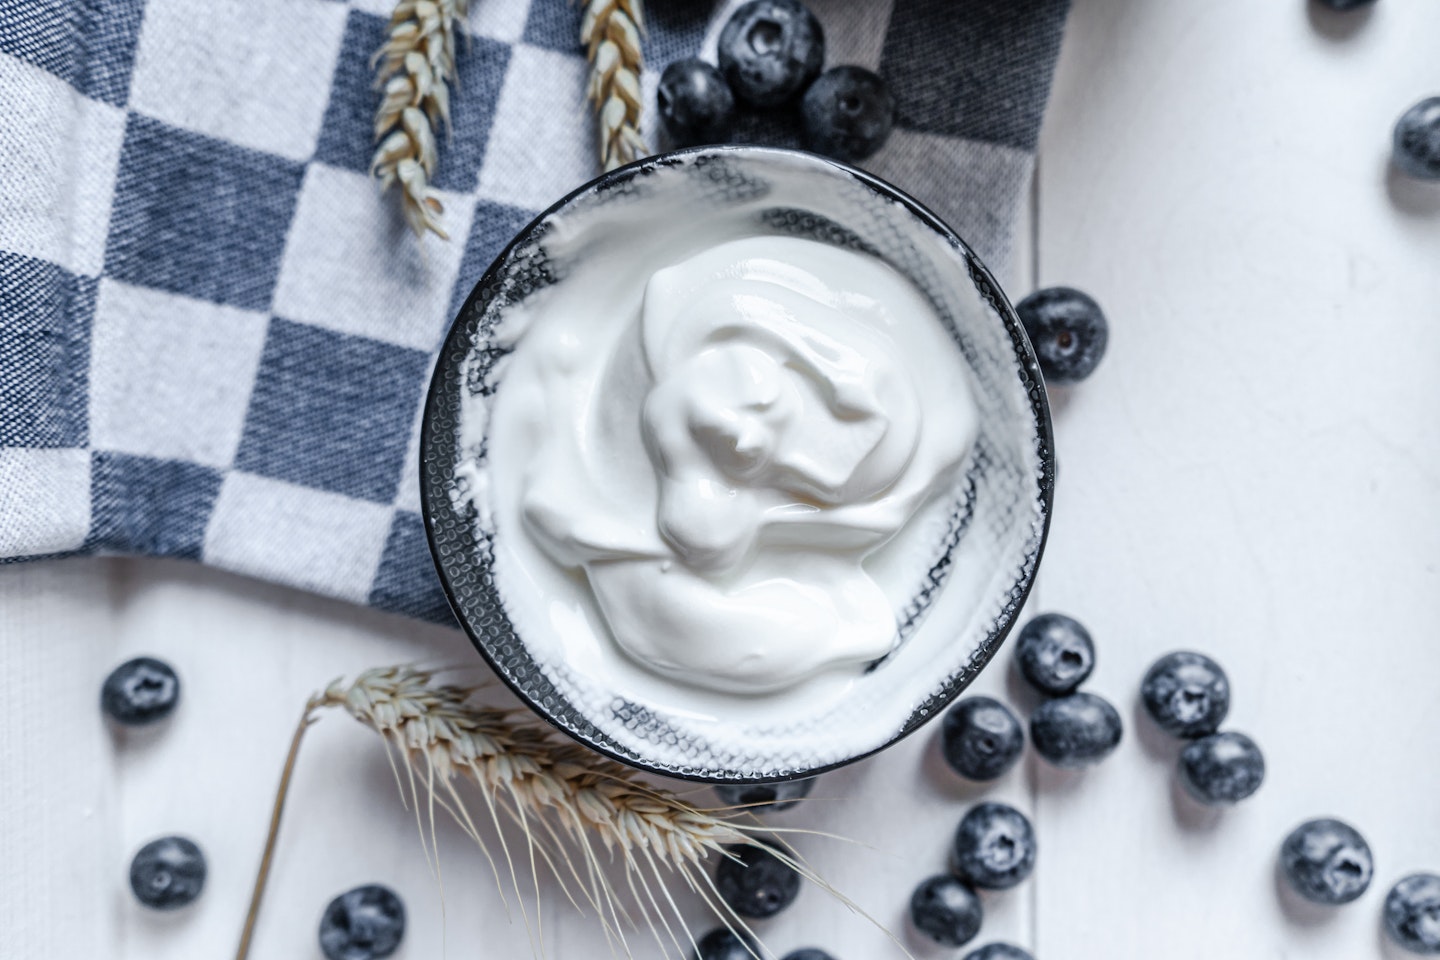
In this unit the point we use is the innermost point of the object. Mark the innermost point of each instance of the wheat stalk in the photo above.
(610, 31)
(417, 63)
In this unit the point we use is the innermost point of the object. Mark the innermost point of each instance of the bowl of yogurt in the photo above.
(737, 464)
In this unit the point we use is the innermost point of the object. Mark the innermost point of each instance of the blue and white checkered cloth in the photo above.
(215, 333)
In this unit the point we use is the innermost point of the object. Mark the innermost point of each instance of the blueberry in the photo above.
(1412, 913)
(1067, 330)
(760, 797)
(994, 847)
(999, 951)
(696, 105)
(847, 114)
(1075, 731)
(1417, 140)
(946, 911)
(1345, 4)
(980, 738)
(1055, 653)
(770, 50)
(1187, 694)
(167, 873)
(1222, 768)
(140, 691)
(366, 923)
(807, 953)
(1327, 861)
(723, 944)
(755, 883)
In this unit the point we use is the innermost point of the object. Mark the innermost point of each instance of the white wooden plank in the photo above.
(1253, 471)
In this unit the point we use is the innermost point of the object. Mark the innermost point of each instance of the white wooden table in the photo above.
(1254, 472)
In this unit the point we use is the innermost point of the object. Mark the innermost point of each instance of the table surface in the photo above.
(1254, 472)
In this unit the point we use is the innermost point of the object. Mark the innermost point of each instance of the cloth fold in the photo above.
(216, 334)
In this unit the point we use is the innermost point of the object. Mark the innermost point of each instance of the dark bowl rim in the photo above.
(990, 291)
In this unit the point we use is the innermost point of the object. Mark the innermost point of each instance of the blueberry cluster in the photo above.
(1188, 696)
(1073, 728)
(770, 55)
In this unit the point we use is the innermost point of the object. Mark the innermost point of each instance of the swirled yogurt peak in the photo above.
(709, 456)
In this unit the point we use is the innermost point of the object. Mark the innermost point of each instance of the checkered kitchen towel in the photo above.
(215, 333)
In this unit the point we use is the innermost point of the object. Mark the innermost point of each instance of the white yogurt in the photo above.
(715, 460)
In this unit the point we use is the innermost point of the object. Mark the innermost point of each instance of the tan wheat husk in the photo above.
(610, 31)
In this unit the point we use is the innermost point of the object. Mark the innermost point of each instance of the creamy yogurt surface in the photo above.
(723, 460)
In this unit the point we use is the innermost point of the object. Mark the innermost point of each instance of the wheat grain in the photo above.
(610, 31)
(417, 64)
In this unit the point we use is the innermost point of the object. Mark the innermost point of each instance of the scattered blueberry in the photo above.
(755, 883)
(994, 847)
(1327, 861)
(1345, 4)
(140, 691)
(1417, 140)
(1067, 330)
(1222, 768)
(847, 113)
(946, 911)
(1412, 913)
(999, 951)
(696, 105)
(168, 873)
(807, 953)
(1075, 731)
(762, 797)
(366, 923)
(770, 50)
(1187, 694)
(724, 944)
(1055, 653)
(981, 738)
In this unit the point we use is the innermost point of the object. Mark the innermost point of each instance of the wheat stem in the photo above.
(610, 31)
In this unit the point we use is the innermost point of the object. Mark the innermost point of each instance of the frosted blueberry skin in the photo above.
(1412, 913)
(994, 847)
(168, 873)
(695, 103)
(140, 691)
(999, 951)
(1417, 140)
(1327, 861)
(1187, 694)
(771, 50)
(807, 953)
(765, 797)
(1055, 653)
(366, 923)
(755, 883)
(722, 944)
(981, 738)
(1075, 731)
(847, 114)
(946, 911)
(1068, 331)
(1222, 768)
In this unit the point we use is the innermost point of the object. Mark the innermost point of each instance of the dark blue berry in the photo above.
(847, 114)
(140, 691)
(754, 882)
(1222, 768)
(999, 951)
(723, 944)
(366, 923)
(1068, 331)
(981, 738)
(1412, 913)
(1417, 140)
(167, 873)
(1055, 653)
(765, 797)
(994, 847)
(696, 105)
(807, 953)
(770, 50)
(1187, 694)
(946, 911)
(1075, 731)
(1346, 4)
(1327, 861)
